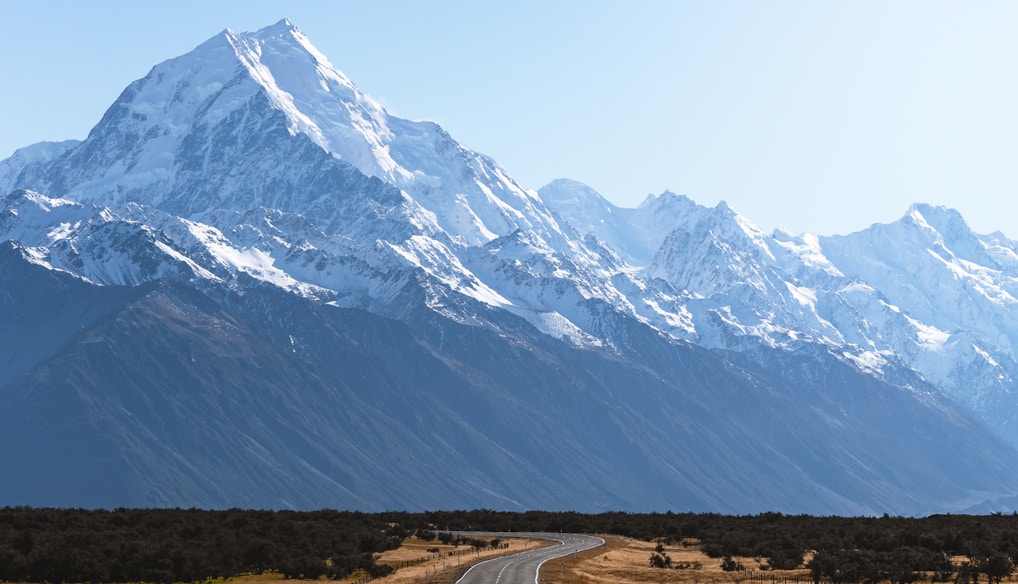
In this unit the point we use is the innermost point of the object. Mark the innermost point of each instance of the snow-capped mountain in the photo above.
(264, 120)
(274, 85)
(257, 272)
(925, 291)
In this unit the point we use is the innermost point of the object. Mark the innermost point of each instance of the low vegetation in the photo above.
(153, 545)
(160, 545)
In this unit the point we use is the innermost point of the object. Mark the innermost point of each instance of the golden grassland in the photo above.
(440, 567)
(619, 561)
(627, 561)
(415, 564)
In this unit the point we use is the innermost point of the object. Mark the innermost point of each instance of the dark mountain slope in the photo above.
(179, 397)
(42, 310)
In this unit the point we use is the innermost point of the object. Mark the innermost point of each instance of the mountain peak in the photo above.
(943, 219)
(655, 200)
(565, 192)
(944, 226)
(273, 91)
(283, 26)
(183, 102)
(281, 29)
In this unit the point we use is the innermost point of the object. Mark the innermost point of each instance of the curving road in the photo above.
(523, 568)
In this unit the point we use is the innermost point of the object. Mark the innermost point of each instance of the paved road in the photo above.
(522, 568)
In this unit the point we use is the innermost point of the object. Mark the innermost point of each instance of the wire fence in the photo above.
(772, 578)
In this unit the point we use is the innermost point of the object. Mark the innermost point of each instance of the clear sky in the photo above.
(811, 116)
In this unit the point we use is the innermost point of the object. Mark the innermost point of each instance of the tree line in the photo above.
(190, 545)
(842, 550)
(187, 545)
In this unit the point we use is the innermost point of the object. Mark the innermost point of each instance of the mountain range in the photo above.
(250, 285)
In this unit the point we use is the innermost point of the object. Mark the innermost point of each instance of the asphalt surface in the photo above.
(523, 567)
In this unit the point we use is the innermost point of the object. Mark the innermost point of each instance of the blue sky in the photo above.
(811, 116)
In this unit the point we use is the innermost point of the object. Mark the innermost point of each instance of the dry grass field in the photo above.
(417, 562)
(439, 567)
(619, 561)
(627, 561)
